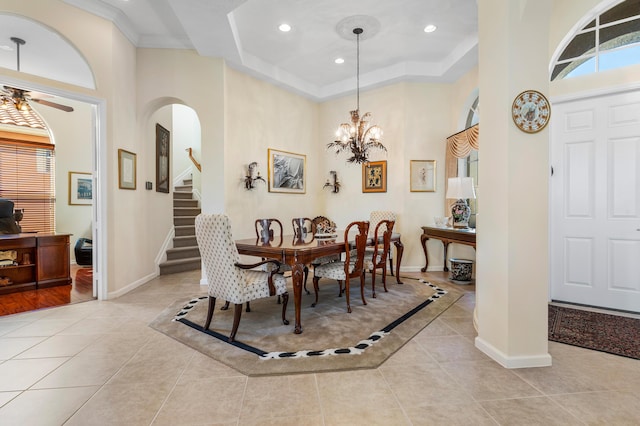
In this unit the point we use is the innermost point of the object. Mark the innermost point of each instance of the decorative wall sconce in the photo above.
(335, 186)
(252, 176)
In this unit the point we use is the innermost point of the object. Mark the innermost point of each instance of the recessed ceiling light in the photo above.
(285, 28)
(430, 28)
(339, 61)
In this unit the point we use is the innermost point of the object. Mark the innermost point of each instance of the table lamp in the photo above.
(461, 189)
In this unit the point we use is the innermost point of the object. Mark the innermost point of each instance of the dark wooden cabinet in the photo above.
(43, 261)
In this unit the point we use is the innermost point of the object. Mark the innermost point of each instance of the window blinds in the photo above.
(27, 177)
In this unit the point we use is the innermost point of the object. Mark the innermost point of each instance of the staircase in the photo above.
(184, 256)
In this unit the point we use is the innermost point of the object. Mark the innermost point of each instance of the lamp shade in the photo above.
(460, 188)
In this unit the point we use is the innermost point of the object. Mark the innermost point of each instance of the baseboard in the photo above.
(132, 286)
(513, 361)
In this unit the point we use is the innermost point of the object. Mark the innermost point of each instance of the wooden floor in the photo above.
(48, 297)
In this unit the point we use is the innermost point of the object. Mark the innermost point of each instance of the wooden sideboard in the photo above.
(43, 261)
(447, 236)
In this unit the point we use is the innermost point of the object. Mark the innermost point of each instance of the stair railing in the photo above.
(193, 160)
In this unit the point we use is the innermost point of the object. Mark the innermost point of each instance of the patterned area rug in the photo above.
(332, 339)
(594, 330)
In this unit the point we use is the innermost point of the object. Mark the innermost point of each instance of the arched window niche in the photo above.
(610, 40)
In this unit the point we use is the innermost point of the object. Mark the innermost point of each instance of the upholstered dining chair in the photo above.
(377, 258)
(374, 218)
(264, 232)
(351, 267)
(227, 278)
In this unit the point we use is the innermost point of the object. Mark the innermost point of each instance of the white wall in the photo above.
(71, 132)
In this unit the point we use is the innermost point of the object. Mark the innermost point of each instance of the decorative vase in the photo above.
(460, 213)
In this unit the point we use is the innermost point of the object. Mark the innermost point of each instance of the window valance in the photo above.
(460, 144)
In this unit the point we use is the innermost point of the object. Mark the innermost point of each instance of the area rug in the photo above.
(332, 339)
(614, 334)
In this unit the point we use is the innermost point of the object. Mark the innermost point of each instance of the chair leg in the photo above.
(340, 288)
(306, 275)
(391, 264)
(346, 291)
(315, 288)
(237, 313)
(226, 306)
(364, 302)
(285, 300)
(373, 280)
(248, 307)
(384, 277)
(212, 305)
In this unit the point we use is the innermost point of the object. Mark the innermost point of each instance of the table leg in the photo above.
(423, 241)
(445, 244)
(297, 277)
(399, 251)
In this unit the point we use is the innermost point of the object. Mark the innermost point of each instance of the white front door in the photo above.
(595, 201)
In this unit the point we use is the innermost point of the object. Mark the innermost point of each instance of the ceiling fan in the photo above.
(20, 98)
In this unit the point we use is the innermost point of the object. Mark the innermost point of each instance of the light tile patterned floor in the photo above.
(97, 363)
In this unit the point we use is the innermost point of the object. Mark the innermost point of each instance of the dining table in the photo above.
(300, 251)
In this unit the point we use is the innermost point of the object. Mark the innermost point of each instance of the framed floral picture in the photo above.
(422, 176)
(374, 176)
(80, 189)
(126, 169)
(287, 172)
(163, 147)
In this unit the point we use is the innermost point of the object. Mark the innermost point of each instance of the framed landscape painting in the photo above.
(287, 172)
(80, 189)
(374, 176)
(422, 176)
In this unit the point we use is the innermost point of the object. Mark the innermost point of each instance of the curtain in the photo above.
(459, 145)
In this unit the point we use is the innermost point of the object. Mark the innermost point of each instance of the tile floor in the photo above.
(97, 363)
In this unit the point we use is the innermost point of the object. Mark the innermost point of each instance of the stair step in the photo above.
(184, 220)
(182, 253)
(185, 241)
(182, 195)
(185, 203)
(183, 188)
(187, 181)
(180, 265)
(186, 211)
(183, 231)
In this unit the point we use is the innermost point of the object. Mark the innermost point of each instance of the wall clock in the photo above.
(531, 111)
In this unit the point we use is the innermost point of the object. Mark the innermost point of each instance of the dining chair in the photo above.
(374, 218)
(227, 278)
(376, 258)
(351, 267)
(264, 233)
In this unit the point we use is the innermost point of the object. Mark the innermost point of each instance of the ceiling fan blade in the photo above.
(53, 105)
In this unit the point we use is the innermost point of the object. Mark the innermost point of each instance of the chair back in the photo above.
(301, 226)
(219, 256)
(264, 233)
(382, 235)
(356, 247)
(377, 216)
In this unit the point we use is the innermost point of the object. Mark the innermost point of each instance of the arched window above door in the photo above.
(610, 40)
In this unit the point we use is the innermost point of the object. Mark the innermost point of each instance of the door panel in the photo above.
(595, 202)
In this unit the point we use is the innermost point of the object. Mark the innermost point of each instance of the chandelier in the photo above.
(358, 136)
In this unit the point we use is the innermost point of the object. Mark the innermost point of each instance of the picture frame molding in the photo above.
(271, 171)
(163, 169)
(414, 179)
(74, 187)
(126, 178)
(369, 186)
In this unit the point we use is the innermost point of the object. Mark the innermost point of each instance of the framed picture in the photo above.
(80, 189)
(287, 172)
(374, 176)
(422, 176)
(163, 147)
(126, 169)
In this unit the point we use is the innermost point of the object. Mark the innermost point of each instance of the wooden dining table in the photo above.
(298, 252)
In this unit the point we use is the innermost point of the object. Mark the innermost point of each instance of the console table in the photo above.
(447, 236)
